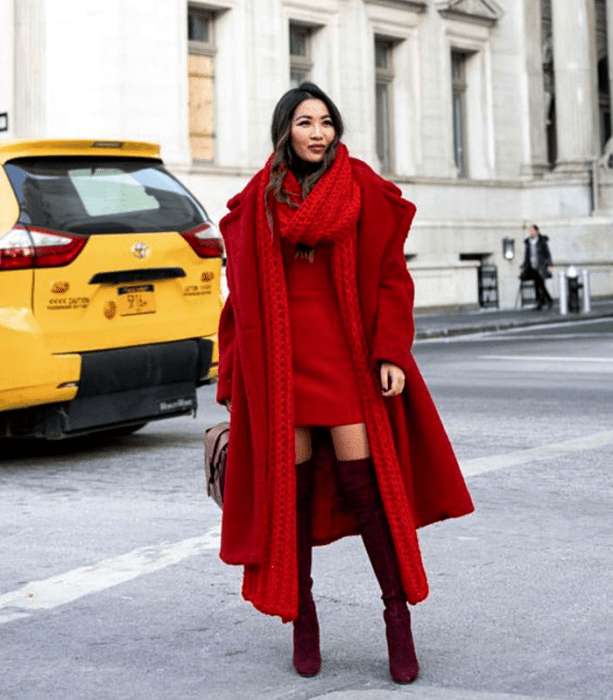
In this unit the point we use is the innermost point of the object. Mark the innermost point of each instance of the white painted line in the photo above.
(542, 358)
(65, 588)
(68, 587)
(482, 465)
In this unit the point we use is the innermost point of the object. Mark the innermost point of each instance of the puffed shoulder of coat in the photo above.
(235, 226)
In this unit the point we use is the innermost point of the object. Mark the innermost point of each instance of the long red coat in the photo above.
(432, 477)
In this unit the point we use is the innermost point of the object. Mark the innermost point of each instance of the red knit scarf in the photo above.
(329, 214)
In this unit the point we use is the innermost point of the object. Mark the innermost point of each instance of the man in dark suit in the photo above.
(537, 265)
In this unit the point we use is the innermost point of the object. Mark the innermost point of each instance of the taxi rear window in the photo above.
(100, 195)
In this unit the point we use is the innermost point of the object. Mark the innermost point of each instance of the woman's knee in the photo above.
(350, 442)
(304, 447)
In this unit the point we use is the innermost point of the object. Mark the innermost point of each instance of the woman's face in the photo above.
(312, 130)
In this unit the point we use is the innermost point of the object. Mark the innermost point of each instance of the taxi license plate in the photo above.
(133, 301)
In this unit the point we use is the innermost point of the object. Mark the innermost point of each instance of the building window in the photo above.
(201, 43)
(300, 62)
(602, 54)
(549, 82)
(458, 90)
(384, 76)
(200, 25)
(604, 102)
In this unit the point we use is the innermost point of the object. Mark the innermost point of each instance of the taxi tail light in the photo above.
(55, 249)
(205, 241)
(16, 249)
(26, 248)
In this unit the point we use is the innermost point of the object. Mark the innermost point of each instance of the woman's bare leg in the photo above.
(350, 442)
(304, 447)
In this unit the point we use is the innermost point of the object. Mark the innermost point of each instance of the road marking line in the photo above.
(542, 358)
(482, 465)
(65, 588)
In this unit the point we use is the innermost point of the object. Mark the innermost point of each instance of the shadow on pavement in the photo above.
(106, 443)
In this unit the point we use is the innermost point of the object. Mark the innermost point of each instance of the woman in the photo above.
(333, 430)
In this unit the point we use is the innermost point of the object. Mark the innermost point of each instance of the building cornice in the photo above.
(484, 12)
(549, 180)
(419, 6)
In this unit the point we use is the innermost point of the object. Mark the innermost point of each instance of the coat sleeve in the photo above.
(395, 327)
(526, 261)
(227, 342)
(548, 262)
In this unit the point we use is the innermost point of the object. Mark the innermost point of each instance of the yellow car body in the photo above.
(110, 293)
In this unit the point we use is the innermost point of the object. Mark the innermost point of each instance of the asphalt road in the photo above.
(110, 584)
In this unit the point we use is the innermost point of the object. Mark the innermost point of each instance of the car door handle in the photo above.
(146, 274)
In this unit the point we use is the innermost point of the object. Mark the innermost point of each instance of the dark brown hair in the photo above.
(284, 156)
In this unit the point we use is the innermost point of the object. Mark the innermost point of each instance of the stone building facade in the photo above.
(489, 114)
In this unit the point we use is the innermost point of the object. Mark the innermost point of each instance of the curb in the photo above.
(493, 327)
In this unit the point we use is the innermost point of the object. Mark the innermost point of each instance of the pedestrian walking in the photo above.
(537, 265)
(333, 431)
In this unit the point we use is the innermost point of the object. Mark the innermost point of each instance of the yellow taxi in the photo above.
(109, 289)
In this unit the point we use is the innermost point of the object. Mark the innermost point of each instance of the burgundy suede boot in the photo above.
(359, 485)
(307, 656)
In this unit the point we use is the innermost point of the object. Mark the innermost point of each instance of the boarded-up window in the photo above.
(200, 30)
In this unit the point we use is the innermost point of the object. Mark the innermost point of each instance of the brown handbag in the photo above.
(215, 455)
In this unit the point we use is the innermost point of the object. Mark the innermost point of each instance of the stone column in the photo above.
(574, 49)
(30, 63)
(536, 163)
(7, 61)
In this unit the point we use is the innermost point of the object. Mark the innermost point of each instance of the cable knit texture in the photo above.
(328, 214)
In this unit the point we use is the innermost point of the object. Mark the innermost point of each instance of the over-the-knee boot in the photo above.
(359, 485)
(307, 656)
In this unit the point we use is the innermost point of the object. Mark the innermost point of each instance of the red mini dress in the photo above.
(326, 391)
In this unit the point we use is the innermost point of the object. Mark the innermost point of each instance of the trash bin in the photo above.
(487, 276)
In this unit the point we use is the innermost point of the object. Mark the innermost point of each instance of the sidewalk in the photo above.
(420, 692)
(448, 324)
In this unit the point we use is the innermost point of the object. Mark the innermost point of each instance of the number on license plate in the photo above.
(133, 301)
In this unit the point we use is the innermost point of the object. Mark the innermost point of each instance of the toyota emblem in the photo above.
(140, 250)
